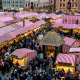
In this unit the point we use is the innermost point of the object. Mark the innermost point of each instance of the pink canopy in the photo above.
(21, 53)
(58, 21)
(74, 49)
(26, 23)
(2, 24)
(38, 23)
(7, 19)
(66, 58)
(9, 29)
(5, 37)
(53, 15)
(28, 26)
(68, 26)
(69, 41)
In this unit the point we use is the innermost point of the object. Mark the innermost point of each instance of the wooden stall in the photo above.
(51, 42)
(76, 52)
(23, 56)
(69, 43)
(66, 61)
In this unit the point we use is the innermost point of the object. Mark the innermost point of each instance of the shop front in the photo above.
(51, 42)
(66, 62)
(23, 56)
(49, 51)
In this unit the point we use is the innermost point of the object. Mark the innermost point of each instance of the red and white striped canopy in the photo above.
(66, 58)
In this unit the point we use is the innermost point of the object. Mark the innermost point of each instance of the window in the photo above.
(8, 2)
(13, 2)
(60, 0)
(64, 0)
(60, 5)
(72, 5)
(20, 2)
(16, 2)
(12, 5)
(65, 20)
(77, 56)
(77, 22)
(16, 5)
(4, 2)
(75, 5)
(21, 5)
(63, 5)
(72, 0)
(51, 1)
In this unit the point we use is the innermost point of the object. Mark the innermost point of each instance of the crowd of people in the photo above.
(37, 67)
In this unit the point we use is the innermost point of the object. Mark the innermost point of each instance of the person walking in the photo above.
(50, 68)
(69, 75)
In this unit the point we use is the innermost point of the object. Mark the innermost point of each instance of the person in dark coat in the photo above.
(35, 77)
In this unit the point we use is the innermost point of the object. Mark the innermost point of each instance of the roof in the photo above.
(74, 49)
(9, 29)
(52, 39)
(66, 58)
(69, 41)
(21, 53)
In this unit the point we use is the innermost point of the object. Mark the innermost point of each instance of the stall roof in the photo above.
(52, 39)
(21, 53)
(28, 26)
(58, 21)
(74, 49)
(66, 58)
(69, 41)
(7, 19)
(67, 26)
(9, 29)
(53, 15)
(38, 23)
(2, 23)
(26, 23)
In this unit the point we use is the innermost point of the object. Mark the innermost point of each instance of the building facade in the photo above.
(36, 3)
(79, 5)
(51, 2)
(67, 5)
(0, 4)
(12, 4)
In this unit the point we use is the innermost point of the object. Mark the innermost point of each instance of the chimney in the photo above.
(23, 23)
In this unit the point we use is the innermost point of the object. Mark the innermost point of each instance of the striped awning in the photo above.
(67, 26)
(66, 58)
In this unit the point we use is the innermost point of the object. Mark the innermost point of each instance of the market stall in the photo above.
(76, 52)
(69, 43)
(23, 56)
(66, 61)
(51, 42)
(4, 32)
